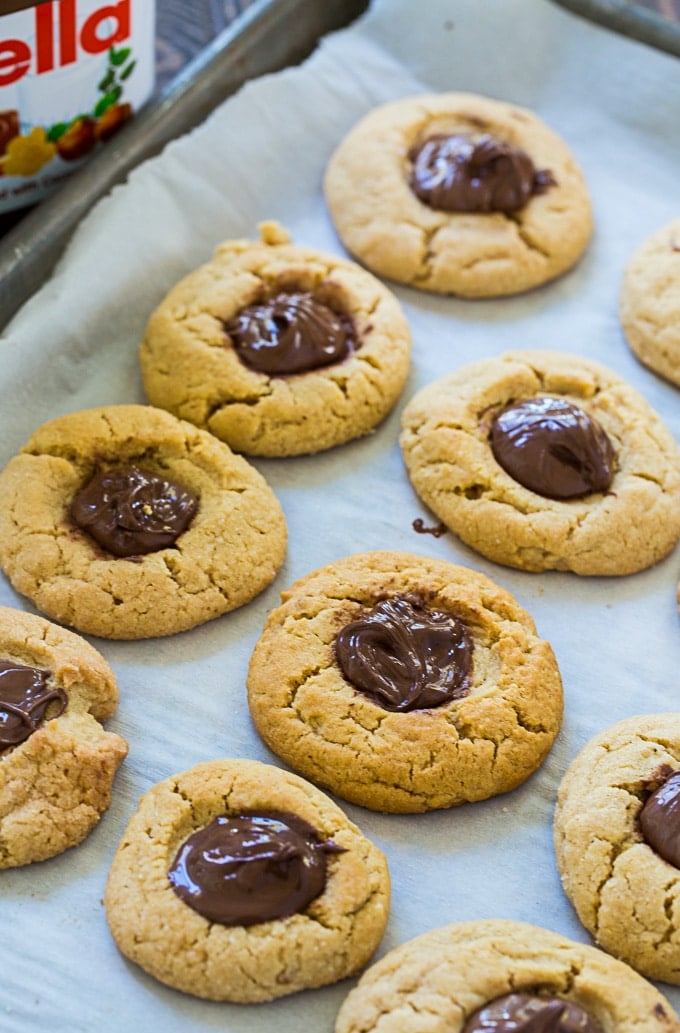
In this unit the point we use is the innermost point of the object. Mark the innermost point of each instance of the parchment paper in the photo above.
(617, 641)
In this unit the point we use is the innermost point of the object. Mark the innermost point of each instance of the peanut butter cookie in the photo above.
(459, 194)
(617, 841)
(127, 523)
(393, 681)
(237, 881)
(57, 763)
(650, 302)
(277, 350)
(546, 461)
(495, 975)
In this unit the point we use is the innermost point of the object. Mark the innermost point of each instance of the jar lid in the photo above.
(10, 6)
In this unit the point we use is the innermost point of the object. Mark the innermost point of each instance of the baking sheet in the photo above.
(634, 19)
(267, 36)
(261, 156)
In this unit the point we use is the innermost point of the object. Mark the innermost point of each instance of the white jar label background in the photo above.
(71, 73)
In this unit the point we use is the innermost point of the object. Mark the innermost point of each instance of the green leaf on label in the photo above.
(119, 57)
(57, 130)
(107, 101)
(127, 71)
(107, 81)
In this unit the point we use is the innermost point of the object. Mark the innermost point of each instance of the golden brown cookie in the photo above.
(192, 352)
(649, 305)
(613, 835)
(57, 763)
(445, 645)
(438, 981)
(493, 247)
(331, 937)
(231, 549)
(619, 529)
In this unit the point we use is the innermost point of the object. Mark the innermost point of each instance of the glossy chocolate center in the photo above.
(530, 1013)
(131, 511)
(460, 173)
(553, 448)
(25, 696)
(660, 820)
(405, 656)
(249, 868)
(291, 333)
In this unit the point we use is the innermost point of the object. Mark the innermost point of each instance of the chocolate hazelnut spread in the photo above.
(249, 868)
(405, 656)
(436, 530)
(660, 820)
(131, 511)
(531, 1013)
(553, 448)
(462, 173)
(25, 695)
(291, 333)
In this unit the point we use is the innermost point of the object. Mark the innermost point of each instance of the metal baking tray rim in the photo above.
(628, 19)
(268, 36)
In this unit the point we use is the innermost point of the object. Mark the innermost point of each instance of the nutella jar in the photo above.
(72, 72)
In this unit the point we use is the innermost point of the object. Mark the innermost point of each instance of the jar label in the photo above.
(71, 73)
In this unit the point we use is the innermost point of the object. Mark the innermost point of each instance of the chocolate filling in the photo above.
(553, 448)
(25, 695)
(461, 173)
(131, 511)
(404, 656)
(660, 820)
(249, 868)
(291, 333)
(531, 1013)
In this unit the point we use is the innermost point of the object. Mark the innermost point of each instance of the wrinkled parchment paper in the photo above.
(262, 156)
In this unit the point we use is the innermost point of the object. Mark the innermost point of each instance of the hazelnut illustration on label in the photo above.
(26, 154)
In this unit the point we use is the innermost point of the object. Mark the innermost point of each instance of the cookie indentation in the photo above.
(461, 173)
(405, 656)
(249, 868)
(25, 696)
(553, 447)
(132, 511)
(530, 1013)
(660, 820)
(291, 333)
